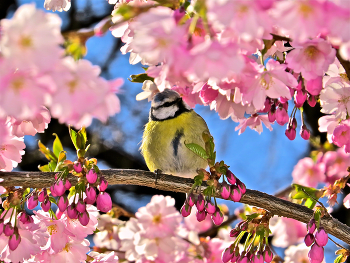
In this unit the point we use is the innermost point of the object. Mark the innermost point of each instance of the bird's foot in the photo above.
(157, 173)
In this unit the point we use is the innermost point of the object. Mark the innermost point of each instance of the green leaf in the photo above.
(72, 192)
(310, 203)
(73, 135)
(198, 179)
(62, 156)
(27, 191)
(197, 149)
(52, 200)
(252, 216)
(81, 139)
(47, 152)
(57, 145)
(52, 165)
(83, 133)
(140, 78)
(339, 259)
(44, 168)
(317, 217)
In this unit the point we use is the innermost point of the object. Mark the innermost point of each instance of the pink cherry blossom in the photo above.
(286, 231)
(108, 258)
(296, 254)
(255, 123)
(338, 13)
(31, 127)
(149, 90)
(312, 58)
(57, 5)
(341, 134)
(159, 217)
(127, 234)
(31, 39)
(327, 124)
(314, 86)
(307, 173)
(336, 163)
(108, 232)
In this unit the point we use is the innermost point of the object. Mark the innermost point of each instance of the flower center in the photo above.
(266, 81)
(52, 229)
(311, 52)
(344, 99)
(3, 148)
(25, 42)
(344, 77)
(17, 84)
(67, 247)
(305, 9)
(157, 219)
(310, 172)
(72, 85)
(243, 9)
(162, 42)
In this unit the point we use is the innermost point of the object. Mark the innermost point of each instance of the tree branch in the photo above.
(166, 182)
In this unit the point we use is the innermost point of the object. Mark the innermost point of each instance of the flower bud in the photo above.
(290, 133)
(314, 86)
(241, 186)
(243, 259)
(81, 206)
(258, 258)
(294, 123)
(62, 203)
(186, 210)
(14, 241)
(321, 237)
(42, 195)
(227, 255)
(103, 184)
(309, 239)
(52, 189)
(234, 232)
(91, 194)
(67, 185)
(91, 176)
(210, 208)
(8, 229)
(304, 133)
(46, 205)
(316, 254)
(191, 199)
(201, 215)
(225, 190)
(311, 226)
(59, 188)
(217, 217)
(200, 203)
(78, 167)
(104, 202)
(25, 218)
(272, 116)
(235, 193)
(84, 218)
(299, 98)
(311, 100)
(281, 116)
(268, 255)
(32, 202)
(72, 212)
(230, 177)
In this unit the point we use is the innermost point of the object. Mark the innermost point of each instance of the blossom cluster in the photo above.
(37, 82)
(318, 241)
(236, 61)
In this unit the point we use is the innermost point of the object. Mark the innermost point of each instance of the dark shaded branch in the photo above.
(344, 63)
(166, 182)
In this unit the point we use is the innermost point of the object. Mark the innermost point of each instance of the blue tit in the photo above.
(172, 123)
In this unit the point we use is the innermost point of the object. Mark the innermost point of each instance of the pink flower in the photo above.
(307, 173)
(341, 134)
(99, 257)
(338, 13)
(207, 94)
(32, 126)
(149, 90)
(296, 254)
(312, 58)
(321, 237)
(108, 232)
(314, 86)
(159, 217)
(316, 254)
(127, 235)
(255, 123)
(286, 231)
(336, 163)
(31, 39)
(104, 202)
(91, 176)
(57, 5)
(327, 124)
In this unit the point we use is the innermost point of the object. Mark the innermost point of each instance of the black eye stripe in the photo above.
(168, 104)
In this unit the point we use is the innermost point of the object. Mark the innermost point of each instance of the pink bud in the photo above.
(283, 100)
(321, 237)
(52, 189)
(200, 202)
(234, 232)
(207, 94)
(186, 210)
(243, 259)
(59, 188)
(78, 167)
(104, 202)
(294, 123)
(42, 195)
(314, 86)
(235, 193)
(281, 116)
(32, 202)
(309, 239)
(267, 105)
(311, 100)
(67, 185)
(91, 176)
(62, 203)
(81, 206)
(241, 186)
(304, 133)
(191, 200)
(72, 212)
(201, 215)
(210, 208)
(299, 98)
(91, 194)
(258, 258)
(8, 230)
(25, 218)
(268, 255)
(14, 241)
(311, 226)
(290, 133)
(316, 254)
(236, 257)
(217, 217)
(227, 254)
(225, 190)
(230, 177)
(84, 218)
(272, 116)
(103, 184)
(46, 205)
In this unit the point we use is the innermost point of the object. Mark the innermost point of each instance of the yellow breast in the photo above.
(163, 144)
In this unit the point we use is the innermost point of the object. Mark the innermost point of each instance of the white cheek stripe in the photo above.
(165, 112)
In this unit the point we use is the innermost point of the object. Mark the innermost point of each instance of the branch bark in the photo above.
(166, 182)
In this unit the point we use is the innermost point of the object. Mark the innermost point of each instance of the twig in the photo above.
(337, 244)
(166, 182)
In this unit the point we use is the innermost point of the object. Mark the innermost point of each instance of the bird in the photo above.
(172, 123)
